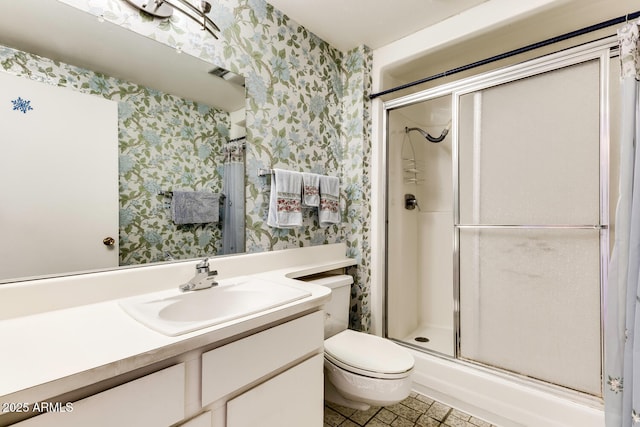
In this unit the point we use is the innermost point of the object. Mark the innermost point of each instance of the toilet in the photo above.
(360, 370)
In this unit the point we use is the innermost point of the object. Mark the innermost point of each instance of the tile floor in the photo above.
(415, 411)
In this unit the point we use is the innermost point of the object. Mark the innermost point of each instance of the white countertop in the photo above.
(50, 353)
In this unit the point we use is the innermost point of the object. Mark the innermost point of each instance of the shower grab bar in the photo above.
(537, 226)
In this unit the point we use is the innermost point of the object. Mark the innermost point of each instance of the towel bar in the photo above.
(265, 172)
(169, 193)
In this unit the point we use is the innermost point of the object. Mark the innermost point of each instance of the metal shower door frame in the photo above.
(599, 50)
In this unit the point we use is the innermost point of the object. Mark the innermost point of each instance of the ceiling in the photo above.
(346, 24)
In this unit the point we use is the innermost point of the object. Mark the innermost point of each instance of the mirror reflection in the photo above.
(175, 125)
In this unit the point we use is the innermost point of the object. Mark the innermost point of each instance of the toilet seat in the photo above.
(368, 355)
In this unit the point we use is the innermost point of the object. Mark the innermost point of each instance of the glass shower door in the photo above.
(528, 227)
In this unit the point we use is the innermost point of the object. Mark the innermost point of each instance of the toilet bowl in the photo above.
(361, 370)
(366, 370)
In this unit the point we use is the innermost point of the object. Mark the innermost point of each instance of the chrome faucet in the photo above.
(203, 279)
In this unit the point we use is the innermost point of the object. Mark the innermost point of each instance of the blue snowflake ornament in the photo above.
(21, 105)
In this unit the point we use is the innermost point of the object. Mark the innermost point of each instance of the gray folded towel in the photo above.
(195, 207)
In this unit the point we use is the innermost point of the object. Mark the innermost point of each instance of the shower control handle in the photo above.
(410, 202)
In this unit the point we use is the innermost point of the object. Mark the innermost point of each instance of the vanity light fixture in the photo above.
(227, 75)
(164, 9)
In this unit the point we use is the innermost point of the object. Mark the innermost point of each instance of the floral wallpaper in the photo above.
(165, 142)
(306, 110)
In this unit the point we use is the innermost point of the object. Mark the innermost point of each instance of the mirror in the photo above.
(180, 125)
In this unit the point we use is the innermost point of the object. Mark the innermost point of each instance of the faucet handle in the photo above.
(203, 266)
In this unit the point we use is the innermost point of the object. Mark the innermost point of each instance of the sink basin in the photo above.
(175, 313)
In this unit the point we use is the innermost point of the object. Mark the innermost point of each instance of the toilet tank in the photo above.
(337, 309)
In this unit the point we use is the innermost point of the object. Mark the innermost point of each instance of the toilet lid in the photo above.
(369, 353)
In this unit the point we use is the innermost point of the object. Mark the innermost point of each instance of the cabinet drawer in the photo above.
(154, 400)
(242, 362)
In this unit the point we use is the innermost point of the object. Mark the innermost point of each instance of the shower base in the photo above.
(439, 339)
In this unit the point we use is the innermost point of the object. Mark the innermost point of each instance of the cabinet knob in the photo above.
(108, 241)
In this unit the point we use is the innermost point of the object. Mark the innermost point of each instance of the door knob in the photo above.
(108, 241)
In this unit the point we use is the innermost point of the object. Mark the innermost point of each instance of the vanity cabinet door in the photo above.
(291, 399)
(202, 420)
(154, 400)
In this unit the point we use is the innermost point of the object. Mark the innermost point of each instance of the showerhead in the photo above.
(430, 138)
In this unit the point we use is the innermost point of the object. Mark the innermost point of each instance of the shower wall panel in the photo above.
(435, 270)
(402, 235)
(420, 241)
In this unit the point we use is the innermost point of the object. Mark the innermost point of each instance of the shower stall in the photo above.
(497, 235)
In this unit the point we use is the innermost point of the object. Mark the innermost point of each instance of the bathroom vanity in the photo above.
(93, 364)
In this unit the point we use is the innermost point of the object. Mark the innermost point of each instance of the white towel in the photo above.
(195, 207)
(285, 207)
(329, 210)
(310, 189)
